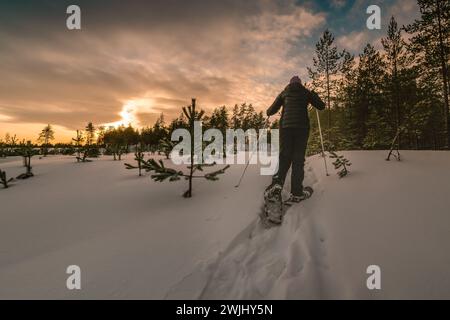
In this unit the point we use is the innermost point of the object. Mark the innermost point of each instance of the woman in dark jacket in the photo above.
(294, 133)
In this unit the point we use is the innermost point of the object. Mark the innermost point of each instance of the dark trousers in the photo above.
(293, 142)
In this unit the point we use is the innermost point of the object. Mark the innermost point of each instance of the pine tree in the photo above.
(192, 115)
(82, 152)
(399, 94)
(344, 129)
(101, 135)
(235, 120)
(131, 137)
(78, 144)
(369, 98)
(117, 150)
(47, 134)
(115, 142)
(27, 151)
(243, 117)
(139, 157)
(90, 134)
(428, 122)
(159, 132)
(341, 164)
(177, 123)
(218, 120)
(246, 116)
(326, 67)
(394, 46)
(90, 149)
(431, 44)
(162, 173)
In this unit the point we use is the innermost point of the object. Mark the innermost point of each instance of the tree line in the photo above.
(394, 96)
(398, 94)
(94, 140)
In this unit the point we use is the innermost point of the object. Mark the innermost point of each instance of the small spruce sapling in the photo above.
(162, 173)
(139, 157)
(78, 141)
(84, 154)
(27, 152)
(4, 180)
(89, 150)
(340, 164)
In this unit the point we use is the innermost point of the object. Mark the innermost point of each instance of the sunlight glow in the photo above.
(4, 117)
(129, 112)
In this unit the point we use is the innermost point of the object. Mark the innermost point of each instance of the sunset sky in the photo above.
(135, 59)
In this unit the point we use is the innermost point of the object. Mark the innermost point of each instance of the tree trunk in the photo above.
(328, 102)
(397, 101)
(444, 73)
(191, 173)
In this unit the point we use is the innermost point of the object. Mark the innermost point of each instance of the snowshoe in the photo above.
(273, 206)
(307, 193)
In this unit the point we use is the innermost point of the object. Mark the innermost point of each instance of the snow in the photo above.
(137, 239)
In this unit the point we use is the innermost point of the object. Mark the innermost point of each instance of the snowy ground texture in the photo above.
(134, 238)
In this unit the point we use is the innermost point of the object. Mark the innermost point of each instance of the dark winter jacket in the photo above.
(295, 100)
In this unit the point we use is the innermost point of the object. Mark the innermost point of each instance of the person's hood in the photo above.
(294, 86)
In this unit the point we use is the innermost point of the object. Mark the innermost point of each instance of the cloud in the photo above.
(166, 52)
(338, 3)
(163, 53)
(404, 12)
(354, 41)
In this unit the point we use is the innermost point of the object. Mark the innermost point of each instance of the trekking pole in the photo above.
(250, 159)
(321, 141)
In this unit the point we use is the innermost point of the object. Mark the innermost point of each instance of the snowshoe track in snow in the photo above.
(265, 264)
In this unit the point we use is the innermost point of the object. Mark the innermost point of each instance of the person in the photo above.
(294, 134)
